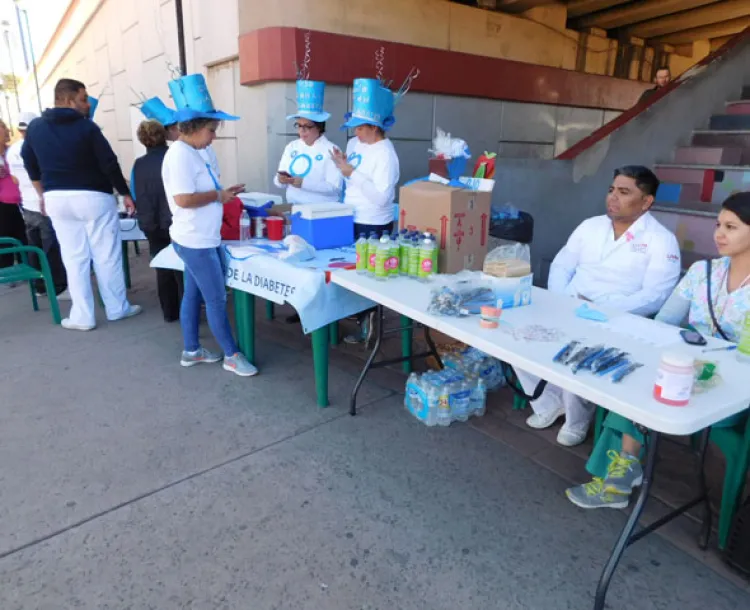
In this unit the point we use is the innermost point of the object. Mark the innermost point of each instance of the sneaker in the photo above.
(133, 311)
(66, 323)
(64, 296)
(199, 356)
(593, 495)
(366, 331)
(570, 438)
(540, 421)
(623, 474)
(239, 365)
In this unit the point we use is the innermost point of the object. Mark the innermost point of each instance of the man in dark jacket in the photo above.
(663, 77)
(74, 170)
(154, 216)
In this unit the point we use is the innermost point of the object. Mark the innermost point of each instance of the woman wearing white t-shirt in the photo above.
(306, 168)
(370, 169)
(196, 202)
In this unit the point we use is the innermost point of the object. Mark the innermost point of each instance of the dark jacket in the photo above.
(68, 152)
(647, 94)
(148, 191)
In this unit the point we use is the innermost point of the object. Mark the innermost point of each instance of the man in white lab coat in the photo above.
(624, 260)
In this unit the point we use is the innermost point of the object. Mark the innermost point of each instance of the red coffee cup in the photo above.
(275, 228)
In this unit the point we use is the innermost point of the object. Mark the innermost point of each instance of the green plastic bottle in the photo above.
(372, 249)
(743, 348)
(404, 248)
(382, 255)
(414, 258)
(426, 258)
(361, 247)
(393, 260)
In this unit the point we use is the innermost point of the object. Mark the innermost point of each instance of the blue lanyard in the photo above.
(210, 173)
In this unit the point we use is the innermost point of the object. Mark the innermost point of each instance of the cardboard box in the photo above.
(513, 291)
(459, 217)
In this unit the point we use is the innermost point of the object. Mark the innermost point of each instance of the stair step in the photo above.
(688, 208)
(734, 139)
(730, 121)
(708, 155)
(675, 193)
(695, 234)
(730, 182)
(738, 107)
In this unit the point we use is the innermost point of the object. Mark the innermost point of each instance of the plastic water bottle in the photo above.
(361, 248)
(479, 399)
(382, 256)
(461, 400)
(393, 261)
(444, 417)
(411, 398)
(245, 233)
(372, 249)
(404, 248)
(414, 258)
(426, 259)
(433, 400)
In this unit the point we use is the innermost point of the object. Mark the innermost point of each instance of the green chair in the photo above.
(23, 272)
(734, 443)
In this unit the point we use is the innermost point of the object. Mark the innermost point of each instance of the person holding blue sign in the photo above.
(196, 201)
(306, 168)
(370, 167)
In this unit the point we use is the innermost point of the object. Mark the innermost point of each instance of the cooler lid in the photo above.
(313, 211)
(258, 200)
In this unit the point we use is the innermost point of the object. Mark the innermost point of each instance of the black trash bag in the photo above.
(512, 224)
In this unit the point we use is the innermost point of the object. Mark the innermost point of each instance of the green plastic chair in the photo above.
(23, 272)
(734, 443)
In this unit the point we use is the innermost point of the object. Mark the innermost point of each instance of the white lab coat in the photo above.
(635, 273)
(321, 180)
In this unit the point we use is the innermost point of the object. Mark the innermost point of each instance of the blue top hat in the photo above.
(372, 104)
(157, 110)
(310, 96)
(193, 100)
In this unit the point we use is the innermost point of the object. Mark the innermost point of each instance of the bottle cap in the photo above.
(676, 358)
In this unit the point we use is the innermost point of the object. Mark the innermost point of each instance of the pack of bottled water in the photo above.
(472, 361)
(438, 398)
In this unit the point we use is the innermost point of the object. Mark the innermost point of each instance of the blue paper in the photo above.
(587, 313)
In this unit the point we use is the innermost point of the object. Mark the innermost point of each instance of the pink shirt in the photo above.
(9, 191)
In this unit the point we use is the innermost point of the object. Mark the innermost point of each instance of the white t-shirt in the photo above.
(371, 188)
(184, 172)
(321, 179)
(29, 196)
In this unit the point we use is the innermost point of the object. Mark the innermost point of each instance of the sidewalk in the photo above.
(129, 482)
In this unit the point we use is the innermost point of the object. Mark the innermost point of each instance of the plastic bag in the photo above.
(510, 223)
(461, 294)
(299, 250)
(510, 260)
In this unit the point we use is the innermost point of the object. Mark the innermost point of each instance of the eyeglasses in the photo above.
(304, 126)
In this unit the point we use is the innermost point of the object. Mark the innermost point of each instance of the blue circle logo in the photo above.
(355, 160)
(300, 166)
(319, 157)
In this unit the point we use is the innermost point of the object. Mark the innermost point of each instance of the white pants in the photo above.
(88, 229)
(578, 412)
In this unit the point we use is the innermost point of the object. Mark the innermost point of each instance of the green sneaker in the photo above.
(623, 474)
(593, 495)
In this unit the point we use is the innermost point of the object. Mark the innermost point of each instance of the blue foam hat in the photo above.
(193, 101)
(372, 104)
(157, 110)
(310, 96)
(93, 104)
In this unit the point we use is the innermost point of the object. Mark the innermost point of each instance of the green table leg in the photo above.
(320, 362)
(269, 310)
(333, 329)
(244, 312)
(407, 334)
(126, 264)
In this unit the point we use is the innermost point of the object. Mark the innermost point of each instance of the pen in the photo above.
(720, 349)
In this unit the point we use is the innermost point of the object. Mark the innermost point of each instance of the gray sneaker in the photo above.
(593, 495)
(623, 474)
(239, 365)
(200, 356)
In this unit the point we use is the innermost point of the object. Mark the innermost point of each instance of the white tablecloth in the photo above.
(302, 285)
(632, 398)
(130, 231)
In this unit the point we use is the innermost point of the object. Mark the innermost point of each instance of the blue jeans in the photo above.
(204, 282)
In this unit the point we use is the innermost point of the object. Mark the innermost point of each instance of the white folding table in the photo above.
(632, 398)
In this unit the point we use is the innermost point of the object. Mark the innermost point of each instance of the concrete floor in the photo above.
(127, 482)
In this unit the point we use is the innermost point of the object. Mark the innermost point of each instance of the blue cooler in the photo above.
(324, 225)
